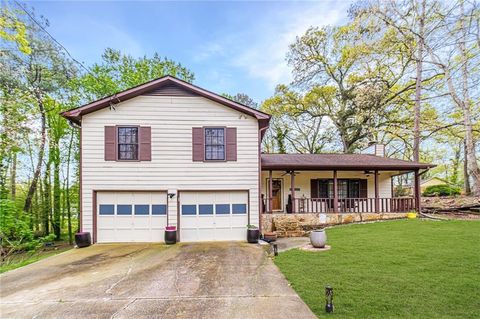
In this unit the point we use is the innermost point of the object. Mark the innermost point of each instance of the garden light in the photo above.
(328, 299)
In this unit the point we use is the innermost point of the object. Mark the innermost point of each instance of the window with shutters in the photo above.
(346, 188)
(214, 144)
(128, 143)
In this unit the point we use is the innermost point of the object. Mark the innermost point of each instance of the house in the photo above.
(171, 153)
(424, 183)
(432, 182)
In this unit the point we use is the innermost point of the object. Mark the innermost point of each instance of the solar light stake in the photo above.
(328, 299)
(275, 249)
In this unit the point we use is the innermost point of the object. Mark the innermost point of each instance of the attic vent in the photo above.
(170, 90)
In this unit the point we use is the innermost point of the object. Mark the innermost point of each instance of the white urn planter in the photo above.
(318, 238)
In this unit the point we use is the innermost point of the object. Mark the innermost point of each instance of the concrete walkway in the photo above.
(208, 280)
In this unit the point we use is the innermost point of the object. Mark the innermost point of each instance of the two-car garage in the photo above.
(138, 216)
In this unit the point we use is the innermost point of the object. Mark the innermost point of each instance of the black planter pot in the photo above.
(83, 239)
(253, 235)
(170, 237)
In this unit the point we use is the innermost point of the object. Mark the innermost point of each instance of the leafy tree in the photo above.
(118, 72)
(293, 130)
(13, 29)
(242, 98)
(353, 77)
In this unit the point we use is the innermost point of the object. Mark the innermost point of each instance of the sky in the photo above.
(232, 47)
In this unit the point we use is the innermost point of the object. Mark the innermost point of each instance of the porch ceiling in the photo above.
(337, 162)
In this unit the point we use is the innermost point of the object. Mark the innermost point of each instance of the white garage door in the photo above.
(131, 216)
(215, 215)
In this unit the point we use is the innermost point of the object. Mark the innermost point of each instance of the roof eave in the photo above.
(344, 167)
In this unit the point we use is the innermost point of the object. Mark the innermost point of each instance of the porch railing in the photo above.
(355, 205)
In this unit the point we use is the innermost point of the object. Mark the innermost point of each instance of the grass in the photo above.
(397, 269)
(26, 258)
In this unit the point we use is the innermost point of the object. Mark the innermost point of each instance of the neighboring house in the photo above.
(170, 153)
(409, 189)
(432, 182)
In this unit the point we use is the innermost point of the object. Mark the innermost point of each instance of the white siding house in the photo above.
(112, 190)
(168, 153)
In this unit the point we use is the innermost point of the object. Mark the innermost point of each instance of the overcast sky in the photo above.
(231, 47)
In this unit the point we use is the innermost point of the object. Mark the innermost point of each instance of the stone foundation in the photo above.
(295, 225)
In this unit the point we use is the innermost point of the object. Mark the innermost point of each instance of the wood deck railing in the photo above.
(354, 205)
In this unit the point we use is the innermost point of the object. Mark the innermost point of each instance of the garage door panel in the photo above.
(135, 225)
(204, 234)
(237, 219)
(225, 234)
(124, 198)
(106, 235)
(141, 222)
(141, 235)
(158, 221)
(189, 222)
(221, 224)
(223, 221)
(189, 234)
(141, 198)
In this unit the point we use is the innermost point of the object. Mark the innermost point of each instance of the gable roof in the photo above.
(167, 82)
(337, 161)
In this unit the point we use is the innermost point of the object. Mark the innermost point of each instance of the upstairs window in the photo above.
(128, 143)
(214, 144)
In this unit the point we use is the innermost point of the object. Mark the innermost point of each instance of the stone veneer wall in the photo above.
(295, 225)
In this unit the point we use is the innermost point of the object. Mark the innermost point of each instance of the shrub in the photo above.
(15, 235)
(441, 190)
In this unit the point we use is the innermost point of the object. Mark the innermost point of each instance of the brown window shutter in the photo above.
(145, 151)
(231, 144)
(314, 188)
(363, 189)
(110, 143)
(198, 144)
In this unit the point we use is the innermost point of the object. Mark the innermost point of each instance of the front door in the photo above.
(277, 194)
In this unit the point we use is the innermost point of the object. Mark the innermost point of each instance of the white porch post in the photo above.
(270, 192)
(292, 189)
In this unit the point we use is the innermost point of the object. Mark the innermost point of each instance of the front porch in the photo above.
(301, 192)
(334, 192)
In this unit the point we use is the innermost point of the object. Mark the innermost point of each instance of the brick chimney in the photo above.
(375, 149)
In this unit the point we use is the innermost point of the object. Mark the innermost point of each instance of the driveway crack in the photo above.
(123, 308)
(125, 276)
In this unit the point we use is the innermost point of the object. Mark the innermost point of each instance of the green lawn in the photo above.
(26, 258)
(397, 269)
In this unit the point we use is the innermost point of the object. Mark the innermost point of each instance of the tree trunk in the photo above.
(418, 84)
(36, 175)
(56, 190)
(472, 165)
(13, 176)
(466, 180)
(47, 202)
(455, 164)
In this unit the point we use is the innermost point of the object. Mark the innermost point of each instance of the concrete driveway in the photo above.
(208, 280)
